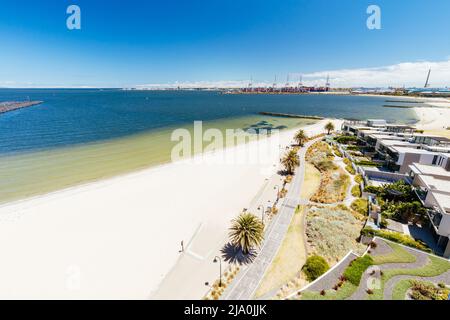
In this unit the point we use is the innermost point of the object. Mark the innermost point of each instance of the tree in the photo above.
(406, 211)
(246, 231)
(300, 137)
(290, 161)
(329, 127)
(398, 191)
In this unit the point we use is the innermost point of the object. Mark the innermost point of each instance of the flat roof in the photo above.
(412, 150)
(443, 201)
(434, 137)
(386, 136)
(405, 126)
(371, 131)
(429, 170)
(392, 142)
(436, 184)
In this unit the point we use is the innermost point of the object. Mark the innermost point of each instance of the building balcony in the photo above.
(435, 217)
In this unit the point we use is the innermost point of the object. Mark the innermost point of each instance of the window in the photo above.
(435, 160)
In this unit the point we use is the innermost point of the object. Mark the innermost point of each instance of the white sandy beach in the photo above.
(118, 238)
(436, 117)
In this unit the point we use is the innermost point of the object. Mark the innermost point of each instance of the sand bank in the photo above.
(434, 118)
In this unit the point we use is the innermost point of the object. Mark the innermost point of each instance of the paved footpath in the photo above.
(248, 280)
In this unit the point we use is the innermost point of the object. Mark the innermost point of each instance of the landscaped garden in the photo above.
(386, 271)
(332, 232)
(334, 181)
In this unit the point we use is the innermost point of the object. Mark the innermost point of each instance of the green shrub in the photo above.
(421, 290)
(405, 211)
(360, 206)
(356, 191)
(366, 163)
(356, 269)
(396, 237)
(397, 191)
(347, 161)
(314, 267)
(346, 139)
(325, 165)
(372, 189)
(359, 179)
(350, 169)
(337, 152)
(353, 148)
(368, 232)
(383, 223)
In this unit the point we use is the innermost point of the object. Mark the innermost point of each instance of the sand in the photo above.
(436, 117)
(118, 238)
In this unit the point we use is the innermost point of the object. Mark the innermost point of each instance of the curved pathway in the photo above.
(383, 249)
(390, 284)
(248, 280)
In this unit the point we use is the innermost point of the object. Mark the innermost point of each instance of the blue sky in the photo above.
(139, 42)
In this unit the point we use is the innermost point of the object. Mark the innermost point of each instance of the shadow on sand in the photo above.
(234, 254)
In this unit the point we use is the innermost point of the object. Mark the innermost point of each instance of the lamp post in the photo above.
(277, 187)
(261, 207)
(217, 258)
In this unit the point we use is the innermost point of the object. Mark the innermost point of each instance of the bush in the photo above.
(325, 165)
(383, 223)
(360, 206)
(421, 290)
(350, 169)
(366, 163)
(346, 139)
(405, 211)
(396, 237)
(337, 152)
(356, 269)
(356, 191)
(397, 191)
(314, 267)
(354, 148)
(347, 161)
(359, 179)
(372, 189)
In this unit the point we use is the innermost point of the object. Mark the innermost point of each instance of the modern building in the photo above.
(432, 185)
(399, 158)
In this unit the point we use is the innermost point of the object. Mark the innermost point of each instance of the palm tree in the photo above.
(290, 161)
(300, 137)
(329, 127)
(246, 231)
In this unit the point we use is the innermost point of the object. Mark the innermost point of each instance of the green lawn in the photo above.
(400, 289)
(434, 267)
(343, 293)
(398, 255)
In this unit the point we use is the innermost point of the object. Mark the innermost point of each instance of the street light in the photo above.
(217, 258)
(277, 187)
(262, 213)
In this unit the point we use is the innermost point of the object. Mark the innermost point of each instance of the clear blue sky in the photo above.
(140, 42)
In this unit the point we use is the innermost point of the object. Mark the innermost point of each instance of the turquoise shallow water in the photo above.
(78, 136)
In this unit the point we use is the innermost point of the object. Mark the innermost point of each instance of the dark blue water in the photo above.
(69, 117)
